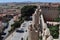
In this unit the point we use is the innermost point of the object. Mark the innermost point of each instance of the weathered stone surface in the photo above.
(50, 38)
(47, 32)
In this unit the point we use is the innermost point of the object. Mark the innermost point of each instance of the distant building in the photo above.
(50, 11)
(16, 18)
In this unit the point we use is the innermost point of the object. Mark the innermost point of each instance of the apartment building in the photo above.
(50, 11)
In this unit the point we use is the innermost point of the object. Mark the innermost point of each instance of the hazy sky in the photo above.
(2, 1)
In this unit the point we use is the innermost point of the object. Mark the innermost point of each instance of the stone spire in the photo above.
(45, 31)
(33, 29)
(36, 17)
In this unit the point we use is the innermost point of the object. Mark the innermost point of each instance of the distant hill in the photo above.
(26, 2)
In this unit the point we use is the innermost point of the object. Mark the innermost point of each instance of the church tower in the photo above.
(34, 27)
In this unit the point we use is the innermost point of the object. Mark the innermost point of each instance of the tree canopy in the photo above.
(28, 10)
(54, 30)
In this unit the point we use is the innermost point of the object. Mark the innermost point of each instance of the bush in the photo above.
(16, 24)
(59, 8)
(12, 29)
(40, 37)
(54, 30)
(57, 19)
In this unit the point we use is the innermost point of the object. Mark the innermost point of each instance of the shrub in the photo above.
(54, 30)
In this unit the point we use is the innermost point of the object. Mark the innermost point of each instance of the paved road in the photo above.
(9, 27)
(17, 36)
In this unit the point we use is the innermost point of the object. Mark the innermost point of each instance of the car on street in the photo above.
(20, 31)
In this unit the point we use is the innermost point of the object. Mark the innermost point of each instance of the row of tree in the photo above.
(26, 12)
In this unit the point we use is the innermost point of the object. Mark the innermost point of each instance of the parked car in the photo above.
(3, 33)
(20, 31)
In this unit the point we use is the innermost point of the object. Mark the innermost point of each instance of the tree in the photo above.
(59, 8)
(57, 19)
(18, 8)
(16, 24)
(28, 10)
(0, 37)
(54, 30)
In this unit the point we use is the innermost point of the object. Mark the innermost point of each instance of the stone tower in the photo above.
(45, 30)
(34, 27)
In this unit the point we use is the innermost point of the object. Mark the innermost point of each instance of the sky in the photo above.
(4, 1)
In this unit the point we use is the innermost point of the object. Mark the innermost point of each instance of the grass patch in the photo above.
(54, 30)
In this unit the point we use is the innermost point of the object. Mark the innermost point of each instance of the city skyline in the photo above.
(5, 1)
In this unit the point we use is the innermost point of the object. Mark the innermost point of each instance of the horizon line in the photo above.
(28, 2)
